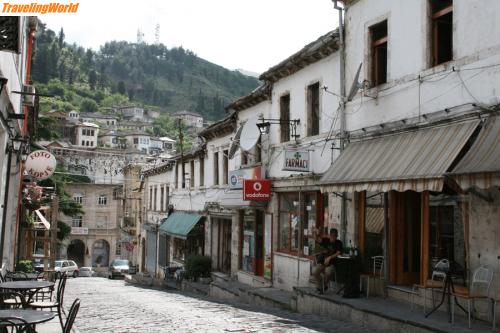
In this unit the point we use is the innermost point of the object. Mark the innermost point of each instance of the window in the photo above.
(151, 198)
(442, 31)
(179, 249)
(77, 221)
(225, 167)
(183, 175)
(202, 171)
(91, 143)
(155, 200)
(83, 142)
(176, 176)
(102, 200)
(91, 132)
(216, 168)
(285, 116)
(191, 169)
(313, 109)
(136, 141)
(301, 218)
(373, 229)
(118, 248)
(78, 198)
(162, 198)
(378, 34)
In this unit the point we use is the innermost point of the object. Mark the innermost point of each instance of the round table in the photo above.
(32, 317)
(27, 288)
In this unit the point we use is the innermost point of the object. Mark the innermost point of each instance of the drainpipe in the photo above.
(343, 211)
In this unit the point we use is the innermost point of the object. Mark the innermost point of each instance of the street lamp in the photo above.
(17, 143)
(266, 124)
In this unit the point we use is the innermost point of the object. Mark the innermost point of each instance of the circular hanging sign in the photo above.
(40, 164)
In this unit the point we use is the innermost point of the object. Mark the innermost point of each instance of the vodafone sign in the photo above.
(256, 190)
(40, 164)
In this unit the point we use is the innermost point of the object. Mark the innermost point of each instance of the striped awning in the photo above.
(413, 160)
(480, 167)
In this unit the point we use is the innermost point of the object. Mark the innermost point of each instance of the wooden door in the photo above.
(224, 246)
(405, 237)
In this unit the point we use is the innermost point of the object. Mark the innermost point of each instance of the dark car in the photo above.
(119, 267)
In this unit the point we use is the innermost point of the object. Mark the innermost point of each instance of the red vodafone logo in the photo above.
(256, 190)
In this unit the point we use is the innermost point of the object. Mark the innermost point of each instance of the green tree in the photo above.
(88, 105)
(92, 79)
(121, 88)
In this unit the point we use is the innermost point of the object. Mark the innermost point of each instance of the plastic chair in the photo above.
(57, 303)
(377, 273)
(479, 289)
(73, 311)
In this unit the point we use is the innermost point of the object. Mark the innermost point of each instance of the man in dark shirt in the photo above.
(332, 248)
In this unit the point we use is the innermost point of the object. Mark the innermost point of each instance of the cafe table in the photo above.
(27, 288)
(32, 317)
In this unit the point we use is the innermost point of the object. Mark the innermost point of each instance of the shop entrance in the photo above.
(253, 242)
(224, 246)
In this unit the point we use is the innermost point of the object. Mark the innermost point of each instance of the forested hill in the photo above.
(122, 73)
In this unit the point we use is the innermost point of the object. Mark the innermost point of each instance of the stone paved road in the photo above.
(113, 306)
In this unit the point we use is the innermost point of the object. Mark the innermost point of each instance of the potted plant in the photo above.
(199, 268)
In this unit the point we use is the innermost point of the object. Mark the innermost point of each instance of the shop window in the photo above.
(216, 168)
(179, 249)
(285, 116)
(447, 214)
(378, 34)
(202, 171)
(252, 237)
(442, 31)
(373, 225)
(301, 219)
(313, 109)
(225, 167)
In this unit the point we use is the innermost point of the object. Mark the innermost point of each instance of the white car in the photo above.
(86, 271)
(68, 266)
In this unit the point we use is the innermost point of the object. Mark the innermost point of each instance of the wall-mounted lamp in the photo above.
(17, 144)
(266, 124)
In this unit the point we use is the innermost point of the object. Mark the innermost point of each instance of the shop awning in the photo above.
(179, 224)
(414, 160)
(480, 167)
(43, 220)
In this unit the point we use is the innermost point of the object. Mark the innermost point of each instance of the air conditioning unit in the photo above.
(29, 99)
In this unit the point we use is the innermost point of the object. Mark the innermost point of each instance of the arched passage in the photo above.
(100, 253)
(76, 251)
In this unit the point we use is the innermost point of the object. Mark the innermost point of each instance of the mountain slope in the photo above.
(122, 72)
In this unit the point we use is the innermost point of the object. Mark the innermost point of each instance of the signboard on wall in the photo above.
(79, 231)
(257, 190)
(236, 177)
(296, 161)
(40, 164)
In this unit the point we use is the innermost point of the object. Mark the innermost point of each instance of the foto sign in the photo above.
(296, 160)
(256, 190)
(40, 164)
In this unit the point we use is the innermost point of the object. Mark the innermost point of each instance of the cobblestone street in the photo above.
(113, 306)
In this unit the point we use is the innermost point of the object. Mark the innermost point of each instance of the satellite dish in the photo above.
(236, 142)
(249, 135)
(355, 85)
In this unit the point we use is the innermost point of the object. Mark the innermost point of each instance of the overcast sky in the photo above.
(252, 35)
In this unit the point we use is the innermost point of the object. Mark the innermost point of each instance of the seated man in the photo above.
(325, 269)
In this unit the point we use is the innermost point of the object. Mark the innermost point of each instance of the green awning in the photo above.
(179, 224)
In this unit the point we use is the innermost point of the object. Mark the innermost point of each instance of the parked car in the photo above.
(86, 271)
(68, 266)
(118, 267)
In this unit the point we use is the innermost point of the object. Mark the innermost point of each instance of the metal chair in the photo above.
(12, 299)
(479, 289)
(437, 280)
(377, 273)
(57, 303)
(15, 325)
(73, 311)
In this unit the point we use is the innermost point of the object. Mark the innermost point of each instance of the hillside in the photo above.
(122, 73)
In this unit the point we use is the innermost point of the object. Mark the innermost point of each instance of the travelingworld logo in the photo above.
(36, 8)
